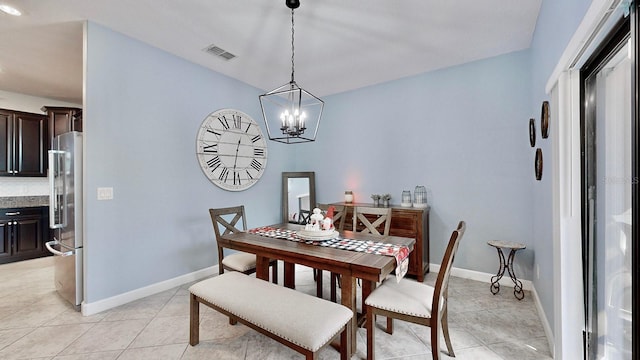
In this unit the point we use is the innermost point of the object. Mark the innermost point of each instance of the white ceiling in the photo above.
(339, 45)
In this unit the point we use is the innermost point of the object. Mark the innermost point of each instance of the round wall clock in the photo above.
(532, 132)
(231, 149)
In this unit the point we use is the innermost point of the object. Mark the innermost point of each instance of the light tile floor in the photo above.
(35, 323)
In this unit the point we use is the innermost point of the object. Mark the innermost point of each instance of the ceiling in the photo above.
(339, 45)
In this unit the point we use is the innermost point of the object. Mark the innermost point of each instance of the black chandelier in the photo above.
(291, 114)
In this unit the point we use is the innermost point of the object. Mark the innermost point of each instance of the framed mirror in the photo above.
(298, 196)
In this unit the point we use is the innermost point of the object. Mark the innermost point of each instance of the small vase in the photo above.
(386, 202)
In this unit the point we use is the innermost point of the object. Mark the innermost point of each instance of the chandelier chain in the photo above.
(292, 48)
(291, 112)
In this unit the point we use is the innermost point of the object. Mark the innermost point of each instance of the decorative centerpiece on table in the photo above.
(320, 227)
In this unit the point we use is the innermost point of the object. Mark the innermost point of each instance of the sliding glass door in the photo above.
(608, 179)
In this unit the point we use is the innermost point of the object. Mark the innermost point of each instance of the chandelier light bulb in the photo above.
(293, 121)
(302, 117)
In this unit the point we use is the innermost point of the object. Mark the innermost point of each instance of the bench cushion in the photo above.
(302, 319)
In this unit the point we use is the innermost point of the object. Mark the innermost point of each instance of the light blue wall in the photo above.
(462, 132)
(556, 24)
(142, 112)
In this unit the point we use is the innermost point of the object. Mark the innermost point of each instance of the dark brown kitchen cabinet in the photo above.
(63, 120)
(23, 232)
(24, 141)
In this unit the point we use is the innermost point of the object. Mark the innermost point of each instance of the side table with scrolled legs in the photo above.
(508, 265)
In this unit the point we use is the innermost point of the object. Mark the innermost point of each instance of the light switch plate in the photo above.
(105, 193)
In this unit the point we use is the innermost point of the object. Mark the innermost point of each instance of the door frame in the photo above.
(564, 87)
(614, 41)
(635, 163)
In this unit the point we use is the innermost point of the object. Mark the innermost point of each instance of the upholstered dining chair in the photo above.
(415, 302)
(366, 219)
(228, 219)
(339, 216)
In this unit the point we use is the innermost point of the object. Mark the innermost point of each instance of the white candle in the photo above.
(348, 196)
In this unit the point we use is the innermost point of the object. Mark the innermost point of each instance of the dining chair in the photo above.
(378, 218)
(366, 219)
(339, 216)
(228, 219)
(415, 302)
(305, 217)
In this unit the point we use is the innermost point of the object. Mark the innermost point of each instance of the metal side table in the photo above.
(508, 265)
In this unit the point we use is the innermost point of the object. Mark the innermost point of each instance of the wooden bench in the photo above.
(300, 321)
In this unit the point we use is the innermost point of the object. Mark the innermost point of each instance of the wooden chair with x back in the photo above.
(339, 216)
(415, 302)
(228, 219)
(372, 220)
(366, 219)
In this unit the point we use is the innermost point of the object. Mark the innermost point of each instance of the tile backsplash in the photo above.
(23, 186)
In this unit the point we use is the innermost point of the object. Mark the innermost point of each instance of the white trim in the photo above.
(481, 276)
(121, 299)
(567, 231)
(582, 39)
(545, 322)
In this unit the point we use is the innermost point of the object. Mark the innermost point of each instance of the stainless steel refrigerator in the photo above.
(65, 215)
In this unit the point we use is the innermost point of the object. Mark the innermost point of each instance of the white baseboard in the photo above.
(481, 276)
(506, 281)
(545, 322)
(121, 299)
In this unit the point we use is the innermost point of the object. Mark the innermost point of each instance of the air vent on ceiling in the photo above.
(219, 52)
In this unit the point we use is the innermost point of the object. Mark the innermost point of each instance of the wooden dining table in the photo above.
(350, 265)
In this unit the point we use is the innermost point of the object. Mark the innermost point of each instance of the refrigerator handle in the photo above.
(54, 200)
(49, 246)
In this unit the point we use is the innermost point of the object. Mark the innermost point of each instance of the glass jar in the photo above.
(406, 198)
(420, 196)
(348, 196)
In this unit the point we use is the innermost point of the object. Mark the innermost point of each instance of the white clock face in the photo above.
(231, 149)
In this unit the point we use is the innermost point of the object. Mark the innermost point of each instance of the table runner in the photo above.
(399, 252)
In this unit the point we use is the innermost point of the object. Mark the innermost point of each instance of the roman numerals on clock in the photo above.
(224, 122)
(211, 149)
(222, 170)
(237, 121)
(214, 163)
(231, 149)
(256, 164)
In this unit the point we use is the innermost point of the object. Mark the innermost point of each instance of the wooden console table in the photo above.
(405, 222)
